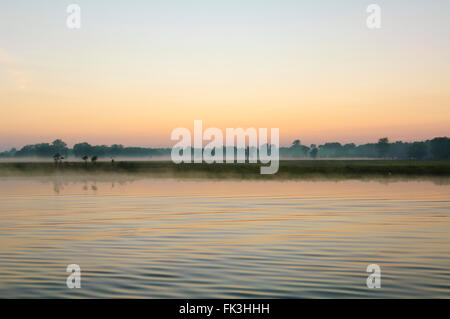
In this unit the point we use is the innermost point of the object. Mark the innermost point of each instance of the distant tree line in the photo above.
(58, 147)
(438, 149)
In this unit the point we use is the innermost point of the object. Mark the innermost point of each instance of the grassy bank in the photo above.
(287, 170)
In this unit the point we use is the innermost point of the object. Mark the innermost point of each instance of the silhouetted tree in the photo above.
(82, 149)
(85, 159)
(298, 150)
(440, 148)
(60, 147)
(57, 158)
(330, 150)
(417, 150)
(383, 146)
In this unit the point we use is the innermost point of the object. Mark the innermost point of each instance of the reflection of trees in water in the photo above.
(93, 187)
(60, 182)
(58, 186)
(90, 183)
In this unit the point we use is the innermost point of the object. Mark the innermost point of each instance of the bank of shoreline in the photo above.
(287, 170)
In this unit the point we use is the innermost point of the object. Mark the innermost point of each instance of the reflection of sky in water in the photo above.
(168, 238)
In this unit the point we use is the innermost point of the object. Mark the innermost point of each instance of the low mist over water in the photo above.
(76, 159)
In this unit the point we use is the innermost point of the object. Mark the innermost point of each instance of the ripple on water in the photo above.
(311, 242)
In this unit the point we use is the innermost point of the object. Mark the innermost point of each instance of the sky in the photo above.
(136, 70)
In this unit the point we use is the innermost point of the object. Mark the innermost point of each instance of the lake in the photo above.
(167, 238)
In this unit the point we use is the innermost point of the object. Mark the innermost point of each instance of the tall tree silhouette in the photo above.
(383, 146)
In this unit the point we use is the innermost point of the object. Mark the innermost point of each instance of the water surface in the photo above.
(164, 238)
